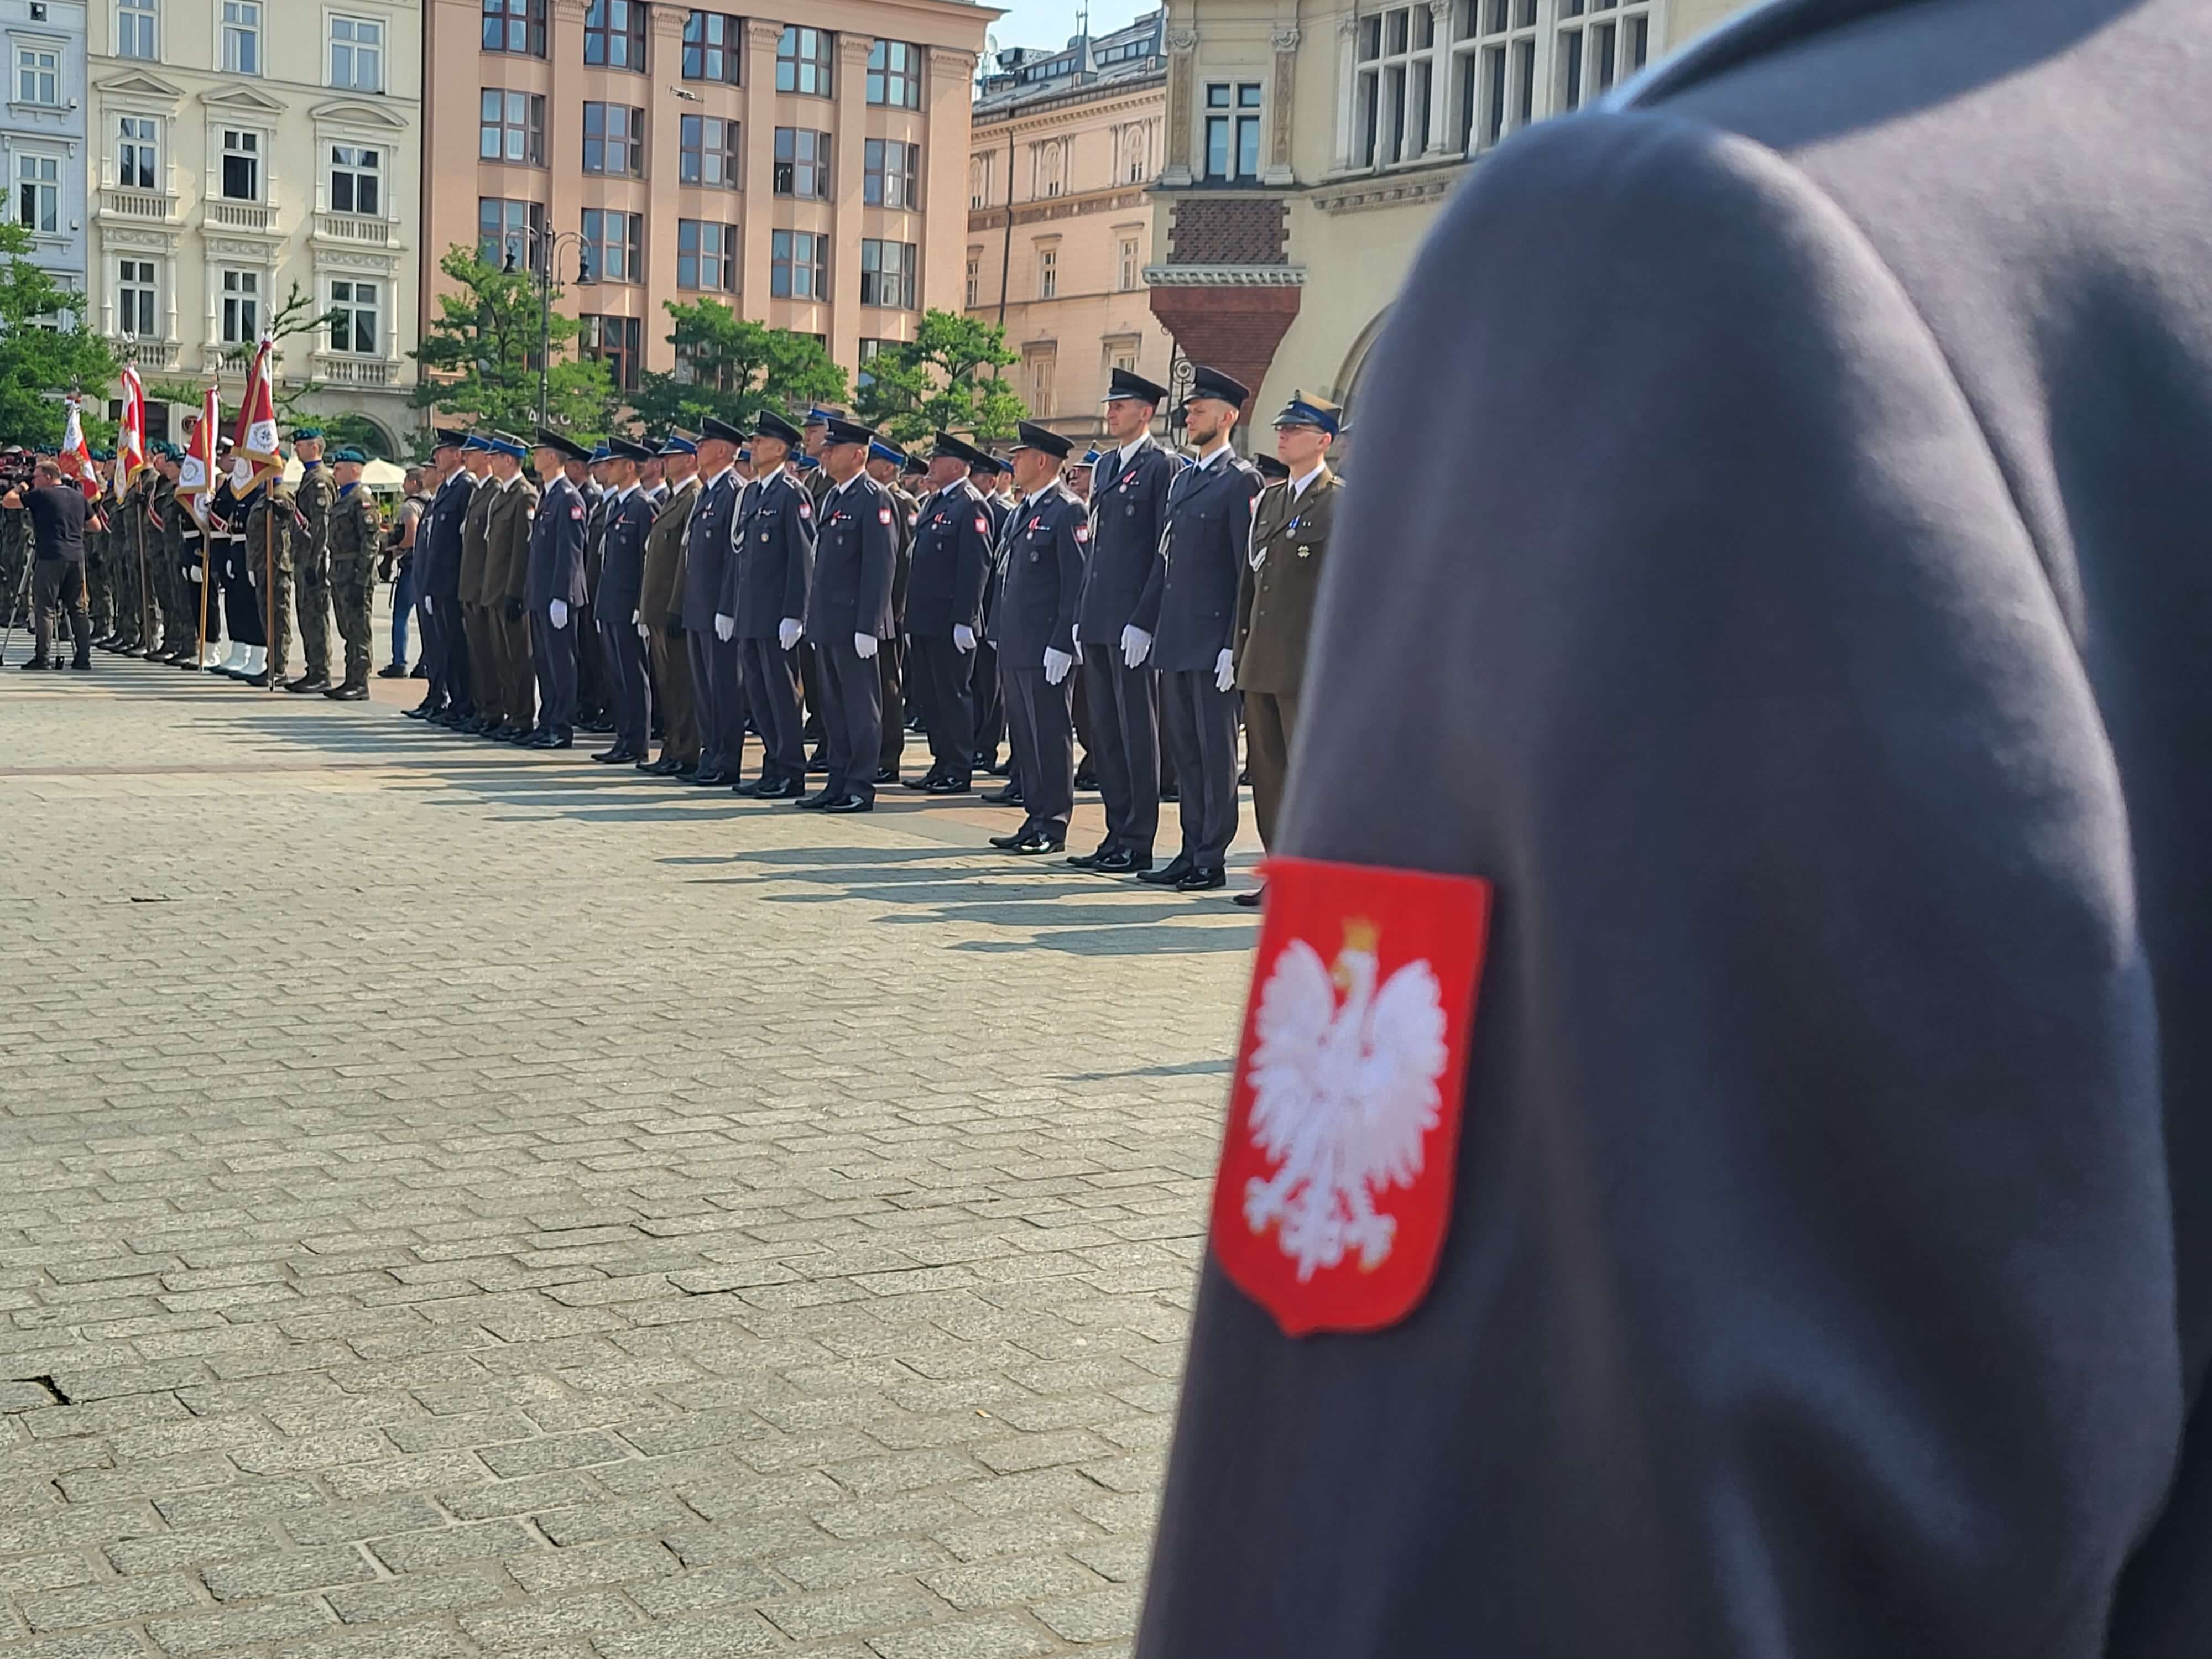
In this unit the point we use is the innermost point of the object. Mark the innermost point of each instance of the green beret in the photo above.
(349, 456)
(306, 433)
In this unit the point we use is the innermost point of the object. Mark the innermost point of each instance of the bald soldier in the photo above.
(1752, 808)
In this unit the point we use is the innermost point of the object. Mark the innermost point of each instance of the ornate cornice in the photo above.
(1225, 276)
(1286, 38)
(1183, 41)
(1371, 193)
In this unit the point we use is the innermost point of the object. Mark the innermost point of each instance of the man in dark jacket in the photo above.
(764, 603)
(438, 581)
(58, 512)
(555, 591)
(717, 679)
(945, 614)
(628, 514)
(1042, 557)
(848, 615)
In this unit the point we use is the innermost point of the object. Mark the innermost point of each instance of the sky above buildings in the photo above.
(1048, 23)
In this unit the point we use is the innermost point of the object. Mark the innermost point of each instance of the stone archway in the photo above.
(1354, 369)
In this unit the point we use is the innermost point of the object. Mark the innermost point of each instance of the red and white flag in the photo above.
(130, 442)
(196, 479)
(74, 449)
(253, 457)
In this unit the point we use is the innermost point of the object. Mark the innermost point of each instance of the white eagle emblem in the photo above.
(1343, 1092)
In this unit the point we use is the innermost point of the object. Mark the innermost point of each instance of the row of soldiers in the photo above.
(809, 582)
(220, 588)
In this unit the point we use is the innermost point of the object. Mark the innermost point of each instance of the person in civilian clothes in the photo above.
(717, 679)
(945, 614)
(990, 697)
(630, 518)
(886, 462)
(479, 617)
(660, 613)
(1128, 514)
(437, 579)
(506, 579)
(1034, 626)
(766, 604)
(848, 615)
(1185, 623)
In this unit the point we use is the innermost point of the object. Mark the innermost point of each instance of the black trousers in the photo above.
(941, 675)
(890, 703)
(718, 691)
(990, 700)
(241, 604)
(1041, 723)
(445, 644)
(594, 687)
(553, 655)
(58, 585)
(1124, 744)
(810, 679)
(772, 692)
(852, 717)
(1200, 722)
(630, 682)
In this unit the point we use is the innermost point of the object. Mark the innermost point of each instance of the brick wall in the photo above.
(1235, 329)
(1229, 231)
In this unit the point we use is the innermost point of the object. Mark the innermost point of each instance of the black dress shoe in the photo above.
(818, 761)
(780, 789)
(852, 803)
(35, 662)
(1085, 778)
(1176, 869)
(421, 711)
(468, 726)
(1123, 861)
(1202, 881)
(350, 692)
(928, 780)
(1009, 796)
(716, 779)
(259, 681)
(1252, 900)
(1038, 839)
(1170, 792)
(421, 671)
(950, 786)
(983, 759)
(1007, 843)
(615, 757)
(548, 740)
(392, 670)
(1093, 858)
(307, 683)
(885, 776)
(666, 767)
(818, 801)
(81, 665)
(1001, 769)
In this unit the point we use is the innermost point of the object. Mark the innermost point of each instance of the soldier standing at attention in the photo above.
(990, 696)
(1275, 593)
(272, 534)
(660, 612)
(1034, 626)
(1186, 621)
(172, 638)
(710, 628)
(848, 615)
(507, 582)
(886, 463)
(480, 623)
(355, 541)
(589, 475)
(553, 587)
(944, 614)
(99, 574)
(437, 579)
(1128, 514)
(628, 514)
(771, 572)
(315, 494)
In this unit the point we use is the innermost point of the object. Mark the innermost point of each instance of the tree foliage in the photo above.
(45, 349)
(945, 378)
(481, 353)
(732, 369)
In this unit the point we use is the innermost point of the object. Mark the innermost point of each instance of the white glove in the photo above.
(726, 628)
(428, 610)
(865, 645)
(193, 571)
(557, 611)
(645, 632)
(1078, 651)
(964, 637)
(1056, 665)
(637, 617)
(1224, 671)
(1136, 644)
(787, 632)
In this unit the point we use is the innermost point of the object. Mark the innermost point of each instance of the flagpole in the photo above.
(269, 585)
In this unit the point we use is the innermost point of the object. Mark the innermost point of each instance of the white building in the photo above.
(42, 130)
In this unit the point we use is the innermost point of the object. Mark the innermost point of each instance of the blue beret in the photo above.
(746, 456)
(602, 450)
(1091, 457)
(807, 463)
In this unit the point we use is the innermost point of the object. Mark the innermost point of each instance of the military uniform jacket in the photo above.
(621, 570)
(707, 553)
(356, 533)
(855, 563)
(909, 513)
(476, 548)
(181, 535)
(1128, 513)
(774, 567)
(507, 541)
(1046, 538)
(439, 537)
(558, 535)
(1189, 603)
(660, 593)
(951, 562)
(597, 503)
(272, 530)
(316, 492)
(1275, 590)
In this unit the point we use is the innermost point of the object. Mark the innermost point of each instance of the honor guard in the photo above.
(887, 464)
(438, 579)
(660, 612)
(629, 516)
(507, 585)
(945, 614)
(355, 539)
(717, 678)
(766, 599)
(553, 589)
(479, 606)
(272, 536)
(315, 494)
(592, 477)
(990, 697)
(848, 615)
(1033, 626)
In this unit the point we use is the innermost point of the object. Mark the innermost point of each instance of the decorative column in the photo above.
(1348, 86)
(1280, 170)
(756, 141)
(1440, 86)
(846, 322)
(1182, 71)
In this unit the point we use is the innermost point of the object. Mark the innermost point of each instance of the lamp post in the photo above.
(542, 250)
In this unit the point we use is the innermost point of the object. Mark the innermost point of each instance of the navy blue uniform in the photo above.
(445, 646)
(990, 691)
(622, 577)
(855, 563)
(1128, 514)
(557, 573)
(717, 682)
(771, 573)
(951, 564)
(1043, 557)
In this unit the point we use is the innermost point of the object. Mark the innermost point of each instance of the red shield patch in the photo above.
(1334, 1193)
(805, 511)
(982, 527)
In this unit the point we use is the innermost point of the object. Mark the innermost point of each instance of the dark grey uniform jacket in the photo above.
(1831, 1270)
(622, 567)
(707, 552)
(558, 539)
(855, 563)
(772, 566)
(1128, 510)
(1189, 600)
(1043, 559)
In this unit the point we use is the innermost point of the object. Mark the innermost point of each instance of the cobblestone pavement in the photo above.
(455, 1201)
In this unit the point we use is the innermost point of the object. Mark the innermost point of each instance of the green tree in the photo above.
(734, 369)
(45, 349)
(945, 378)
(481, 352)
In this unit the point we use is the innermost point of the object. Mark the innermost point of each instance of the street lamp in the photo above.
(546, 249)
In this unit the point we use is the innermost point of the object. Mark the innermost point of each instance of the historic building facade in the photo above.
(786, 163)
(1309, 149)
(1065, 149)
(42, 130)
(240, 149)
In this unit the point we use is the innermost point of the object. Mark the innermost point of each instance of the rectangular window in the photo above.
(1048, 266)
(38, 74)
(357, 54)
(802, 163)
(1040, 365)
(887, 271)
(803, 58)
(708, 152)
(134, 29)
(241, 166)
(711, 44)
(705, 256)
(614, 34)
(355, 309)
(870, 350)
(798, 265)
(975, 273)
(1128, 266)
(1232, 131)
(894, 172)
(134, 296)
(614, 245)
(515, 25)
(135, 168)
(39, 192)
(979, 182)
(508, 230)
(614, 341)
(895, 75)
(241, 308)
(241, 37)
(614, 140)
(511, 127)
(356, 180)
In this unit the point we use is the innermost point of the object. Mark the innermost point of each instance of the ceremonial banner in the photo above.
(73, 447)
(195, 479)
(130, 442)
(253, 460)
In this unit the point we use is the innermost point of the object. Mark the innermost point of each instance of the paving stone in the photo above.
(282, 1574)
(237, 1627)
(985, 1636)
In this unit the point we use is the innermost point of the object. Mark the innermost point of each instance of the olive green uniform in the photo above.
(273, 530)
(99, 571)
(317, 492)
(507, 578)
(356, 540)
(1275, 596)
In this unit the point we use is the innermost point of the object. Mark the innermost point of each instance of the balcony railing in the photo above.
(149, 354)
(240, 215)
(157, 206)
(351, 228)
(332, 368)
